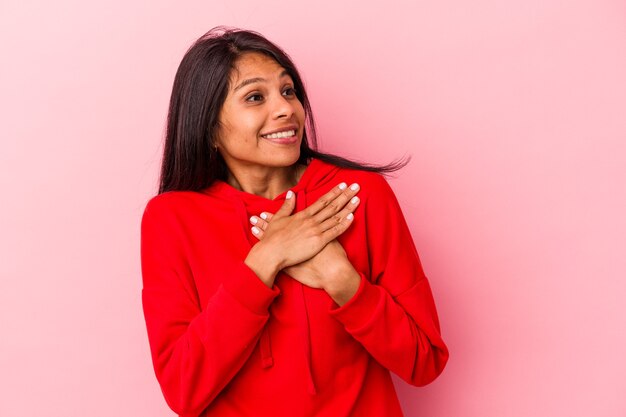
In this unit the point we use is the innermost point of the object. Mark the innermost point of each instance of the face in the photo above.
(262, 120)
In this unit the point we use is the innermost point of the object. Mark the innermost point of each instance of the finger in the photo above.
(266, 216)
(338, 228)
(341, 215)
(325, 200)
(259, 222)
(288, 205)
(258, 233)
(338, 203)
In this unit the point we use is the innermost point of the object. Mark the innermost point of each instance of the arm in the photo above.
(394, 315)
(196, 350)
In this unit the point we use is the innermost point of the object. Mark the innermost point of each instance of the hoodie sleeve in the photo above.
(394, 316)
(196, 350)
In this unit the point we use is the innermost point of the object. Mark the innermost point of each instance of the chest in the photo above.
(217, 240)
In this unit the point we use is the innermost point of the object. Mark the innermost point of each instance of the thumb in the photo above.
(288, 205)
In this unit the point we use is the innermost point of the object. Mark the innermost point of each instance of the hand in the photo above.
(329, 269)
(292, 239)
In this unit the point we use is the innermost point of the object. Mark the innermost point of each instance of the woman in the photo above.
(269, 287)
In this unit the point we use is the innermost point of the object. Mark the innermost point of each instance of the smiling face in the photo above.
(262, 120)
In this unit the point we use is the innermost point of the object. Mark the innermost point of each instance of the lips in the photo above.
(280, 129)
(284, 135)
(281, 134)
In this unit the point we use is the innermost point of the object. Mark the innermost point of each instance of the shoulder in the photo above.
(176, 209)
(372, 184)
(373, 179)
(169, 207)
(374, 187)
(167, 201)
(378, 198)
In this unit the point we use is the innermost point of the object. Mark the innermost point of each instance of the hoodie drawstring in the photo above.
(267, 360)
(306, 326)
(306, 336)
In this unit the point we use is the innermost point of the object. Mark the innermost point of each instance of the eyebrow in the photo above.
(256, 80)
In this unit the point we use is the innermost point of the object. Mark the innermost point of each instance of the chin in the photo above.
(286, 159)
(287, 156)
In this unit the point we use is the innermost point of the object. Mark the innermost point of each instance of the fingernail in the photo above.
(354, 200)
(264, 216)
(342, 186)
(354, 187)
(254, 220)
(289, 194)
(349, 217)
(255, 230)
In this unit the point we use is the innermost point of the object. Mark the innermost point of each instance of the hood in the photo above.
(317, 174)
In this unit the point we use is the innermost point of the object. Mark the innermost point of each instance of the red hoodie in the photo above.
(224, 344)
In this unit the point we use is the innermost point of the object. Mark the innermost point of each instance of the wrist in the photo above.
(264, 263)
(344, 286)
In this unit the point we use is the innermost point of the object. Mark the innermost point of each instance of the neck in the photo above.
(267, 182)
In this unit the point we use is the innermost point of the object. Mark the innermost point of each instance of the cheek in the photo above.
(300, 111)
(239, 131)
(247, 126)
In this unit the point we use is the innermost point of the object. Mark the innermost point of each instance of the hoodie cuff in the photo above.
(244, 286)
(360, 310)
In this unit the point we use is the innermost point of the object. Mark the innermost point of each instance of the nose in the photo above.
(283, 108)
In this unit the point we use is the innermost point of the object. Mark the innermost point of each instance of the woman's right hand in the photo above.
(294, 238)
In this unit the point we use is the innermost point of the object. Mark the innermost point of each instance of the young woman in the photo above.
(277, 280)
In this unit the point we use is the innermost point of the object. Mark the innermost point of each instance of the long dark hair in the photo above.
(190, 160)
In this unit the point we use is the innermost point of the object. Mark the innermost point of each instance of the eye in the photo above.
(289, 91)
(254, 98)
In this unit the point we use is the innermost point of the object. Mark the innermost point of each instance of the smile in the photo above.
(280, 135)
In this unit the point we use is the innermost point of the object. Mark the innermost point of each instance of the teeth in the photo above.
(285, 134)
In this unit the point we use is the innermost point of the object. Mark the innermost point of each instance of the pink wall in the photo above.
(514, 112)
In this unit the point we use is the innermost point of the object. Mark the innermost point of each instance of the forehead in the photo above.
(254, 64)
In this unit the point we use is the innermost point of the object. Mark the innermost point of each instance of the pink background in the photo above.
(514, 113)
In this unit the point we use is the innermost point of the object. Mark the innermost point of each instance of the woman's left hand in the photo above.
(329, 270)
